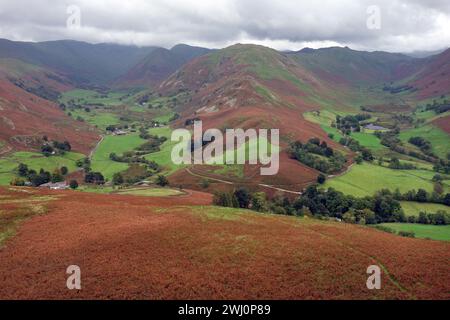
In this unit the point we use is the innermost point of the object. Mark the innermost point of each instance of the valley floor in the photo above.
(181, 247)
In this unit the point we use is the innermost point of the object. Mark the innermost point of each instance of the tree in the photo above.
(205, 184)
(94, 178)
(57, 177)
(225, 199)
(73, 184)
(259, 202)
(64, 171)
(117, 179)
(367, 155)
(243, 197)
(359, 159)
(447, 199)
(321, 178)
(423, 218)
(162, 181)
(47, 150)
(22, 170)
(421, 196)
(17, 182)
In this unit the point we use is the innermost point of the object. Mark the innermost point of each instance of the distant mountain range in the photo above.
(242, 85)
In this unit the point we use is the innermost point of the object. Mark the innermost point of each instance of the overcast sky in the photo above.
(404, 26)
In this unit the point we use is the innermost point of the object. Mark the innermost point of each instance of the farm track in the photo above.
(91, 154)
(236, 183)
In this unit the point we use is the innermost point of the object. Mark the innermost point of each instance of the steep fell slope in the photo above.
(27, 114)
(158, 65)
(249, 86)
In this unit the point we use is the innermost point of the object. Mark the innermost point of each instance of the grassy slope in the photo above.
(97, 118)
(366, 179)
(414, 208)
(325, 118)
(114, 144)
(153, 192)
(35, 161)
(422, 231)
(438, 138)
(164, 156)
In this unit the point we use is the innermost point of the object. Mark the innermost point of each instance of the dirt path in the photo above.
(232, 183)
(91, 154)
(6, 150)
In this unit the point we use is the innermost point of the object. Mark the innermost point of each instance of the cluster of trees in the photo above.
(438, 218)
(442, 165)
(351, 123)
(242, 198)
(135, 173)
(423, 196)
(35, 178)
(423, 144)
(84, 163)
(44, 92)
(352, 144)
(49, 148)
(130, 157)
(152, 145)
(439, 107)
(162, 181)
(390, 140)
(94, 178)
(380, 208)
(393, 90)
(395, 163)
(112, 127)
(308, 154)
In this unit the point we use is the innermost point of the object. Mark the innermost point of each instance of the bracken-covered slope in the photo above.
(83, 63)
(182, 248)
(27, 112)
(158, 65)
(249, 86)
(356, 68)
(433, 78)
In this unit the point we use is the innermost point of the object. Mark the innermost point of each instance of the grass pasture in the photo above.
(439, 139)
(36, 161)
(422, 231)
(324, 118)
(365, 179)
(150, 192)
(414, 208)
(100, 119)
(114, 144)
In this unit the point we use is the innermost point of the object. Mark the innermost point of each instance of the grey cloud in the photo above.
(289, 24)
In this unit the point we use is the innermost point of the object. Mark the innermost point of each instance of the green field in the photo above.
(165, 118)
(93, 97)
(98, 118)
(324, 118)
(365, 179)
(36, 161)
(148, 192)
(151, 192)
(422, 231)
(414, 208)
(438, 138)
(114, 144)
(164, 156)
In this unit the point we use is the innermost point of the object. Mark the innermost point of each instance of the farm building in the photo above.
(55, 186)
